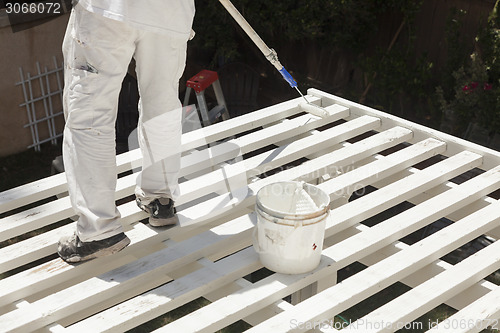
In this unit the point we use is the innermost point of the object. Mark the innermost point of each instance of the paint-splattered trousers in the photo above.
(97, 52)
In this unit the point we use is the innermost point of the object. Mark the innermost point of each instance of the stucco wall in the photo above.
(24, 49)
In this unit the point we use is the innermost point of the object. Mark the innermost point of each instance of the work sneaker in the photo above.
(72, 249)
(162, 212)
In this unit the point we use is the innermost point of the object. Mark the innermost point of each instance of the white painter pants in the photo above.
(97, 52)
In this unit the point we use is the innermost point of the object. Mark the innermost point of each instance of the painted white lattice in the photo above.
(38, 93)
(209, 254)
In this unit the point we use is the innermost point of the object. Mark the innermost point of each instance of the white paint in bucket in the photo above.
(290, 230)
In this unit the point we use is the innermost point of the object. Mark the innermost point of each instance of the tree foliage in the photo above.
(343, 23)
(475, 94)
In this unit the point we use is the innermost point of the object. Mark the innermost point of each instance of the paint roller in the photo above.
(272, 57)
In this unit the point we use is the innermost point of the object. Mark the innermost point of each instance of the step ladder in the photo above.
(199, 83)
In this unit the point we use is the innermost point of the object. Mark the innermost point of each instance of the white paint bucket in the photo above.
(290, 228)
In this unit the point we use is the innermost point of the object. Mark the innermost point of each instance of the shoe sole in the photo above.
(117, 247)
(155, 222)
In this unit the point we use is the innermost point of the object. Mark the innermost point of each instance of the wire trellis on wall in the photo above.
(39, 93)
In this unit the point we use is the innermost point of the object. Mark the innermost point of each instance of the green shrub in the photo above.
(475, 95)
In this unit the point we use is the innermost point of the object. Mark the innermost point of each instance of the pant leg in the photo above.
(160, 62)
(97, 52)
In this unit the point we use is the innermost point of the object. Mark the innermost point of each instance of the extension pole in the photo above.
(269, 53)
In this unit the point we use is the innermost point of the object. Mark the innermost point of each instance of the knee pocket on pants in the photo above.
(79, 97)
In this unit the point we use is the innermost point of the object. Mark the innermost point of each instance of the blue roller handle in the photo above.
(288, 78)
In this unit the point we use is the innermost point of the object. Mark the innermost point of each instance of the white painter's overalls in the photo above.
(101, 38)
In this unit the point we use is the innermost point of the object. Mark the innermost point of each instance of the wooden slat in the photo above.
(32, 192)
(221, 313)
(351, 291)
(122, 307)
(434, 292)
(439, 188)
(256, 317)
(39, 280)
(234, 174)
(169, 296)
(56, 184)
(208, 253)
(269, 135)
(132, 276)
(218, 179)
(60, 209)
(307, 171)
(419, 216)
(382, 141)
(455, 144)
(483, 313)
(401, 190)
(466, 297)
(243, 123)
(466, 229)
(15, 286)
(457, 215)
(34, 218)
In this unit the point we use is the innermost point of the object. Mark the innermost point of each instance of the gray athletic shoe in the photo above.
(72, 249)
(162, 212)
